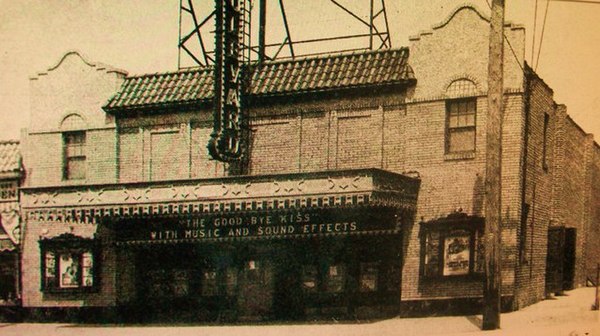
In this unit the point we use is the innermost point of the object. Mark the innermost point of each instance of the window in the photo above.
(452, 246)
(369, 276)
(460, 125)
(181, 283)
(74, 155)
(523, 234)
(545, 144)
(68, 263)
(462, 87)
(8, 190)
(310, 279)
(209, 283)
(231, 281)
(335, 280)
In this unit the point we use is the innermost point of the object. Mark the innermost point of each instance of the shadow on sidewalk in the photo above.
(475, 320)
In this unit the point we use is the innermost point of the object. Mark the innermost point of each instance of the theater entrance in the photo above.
(328, 263)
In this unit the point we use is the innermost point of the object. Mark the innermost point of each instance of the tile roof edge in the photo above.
(175, 72)
(9, 141)
(168, 105)
(331, 89)
(281, 61)
(334, 55)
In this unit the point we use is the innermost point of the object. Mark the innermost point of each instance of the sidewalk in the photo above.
(569, 315)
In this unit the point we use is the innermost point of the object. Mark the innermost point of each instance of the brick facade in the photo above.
(549, 166)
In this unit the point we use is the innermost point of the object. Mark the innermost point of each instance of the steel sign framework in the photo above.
(233, 52)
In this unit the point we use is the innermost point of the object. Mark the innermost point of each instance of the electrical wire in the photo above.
(534, 28)
(579, 1)
(542, 37)
(509, 44)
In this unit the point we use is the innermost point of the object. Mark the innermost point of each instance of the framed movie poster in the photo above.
(456, 255)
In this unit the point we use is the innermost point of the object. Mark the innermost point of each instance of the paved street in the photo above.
(565, 315)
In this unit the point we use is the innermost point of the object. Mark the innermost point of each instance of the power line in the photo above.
(579, 1)
(534, 27)
(509, 44)
(537, 61)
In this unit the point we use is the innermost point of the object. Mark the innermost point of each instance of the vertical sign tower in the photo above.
(228, 141)
(231, 55)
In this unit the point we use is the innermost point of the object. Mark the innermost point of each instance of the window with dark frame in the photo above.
(209, 282)
(460, 125)
(310, 279)
(8, 190)
(335, 280)
(452, 249)
(74, 155)
(545, 142)
(369, 277)
(523, 234)
(69, 264)
(231, 281)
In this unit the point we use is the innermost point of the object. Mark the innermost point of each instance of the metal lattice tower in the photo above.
(197, 26)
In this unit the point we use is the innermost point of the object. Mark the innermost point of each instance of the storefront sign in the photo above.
(258, 224)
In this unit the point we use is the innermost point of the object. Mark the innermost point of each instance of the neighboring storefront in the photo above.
(10, 178)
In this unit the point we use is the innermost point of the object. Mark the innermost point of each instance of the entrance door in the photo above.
(569, 259)
(255, 298)
(554, 260)
(8, 276)
(560, 260)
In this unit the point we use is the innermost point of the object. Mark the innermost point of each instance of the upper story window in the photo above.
(545, 143)
(69, 263)
(460, 125)
(461, 112)
(74, 155)
(8, 190)
(73, 127)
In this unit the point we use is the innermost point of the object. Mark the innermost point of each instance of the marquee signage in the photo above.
(228, 138)
(255, 224)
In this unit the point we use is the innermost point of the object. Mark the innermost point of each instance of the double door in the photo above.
(196, 284)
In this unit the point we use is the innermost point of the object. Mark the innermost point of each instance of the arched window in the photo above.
(74, 157)
(72, 122)
(461, 88)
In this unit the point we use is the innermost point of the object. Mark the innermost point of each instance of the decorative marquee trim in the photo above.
(87, 204)
(93, 215)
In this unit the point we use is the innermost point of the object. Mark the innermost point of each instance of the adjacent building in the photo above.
(10, 229)
(362, 196)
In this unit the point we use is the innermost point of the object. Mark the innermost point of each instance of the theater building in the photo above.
(362, 196)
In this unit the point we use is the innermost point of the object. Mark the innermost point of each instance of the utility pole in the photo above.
(493, 179)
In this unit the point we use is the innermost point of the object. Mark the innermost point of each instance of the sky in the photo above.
(141, 36)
